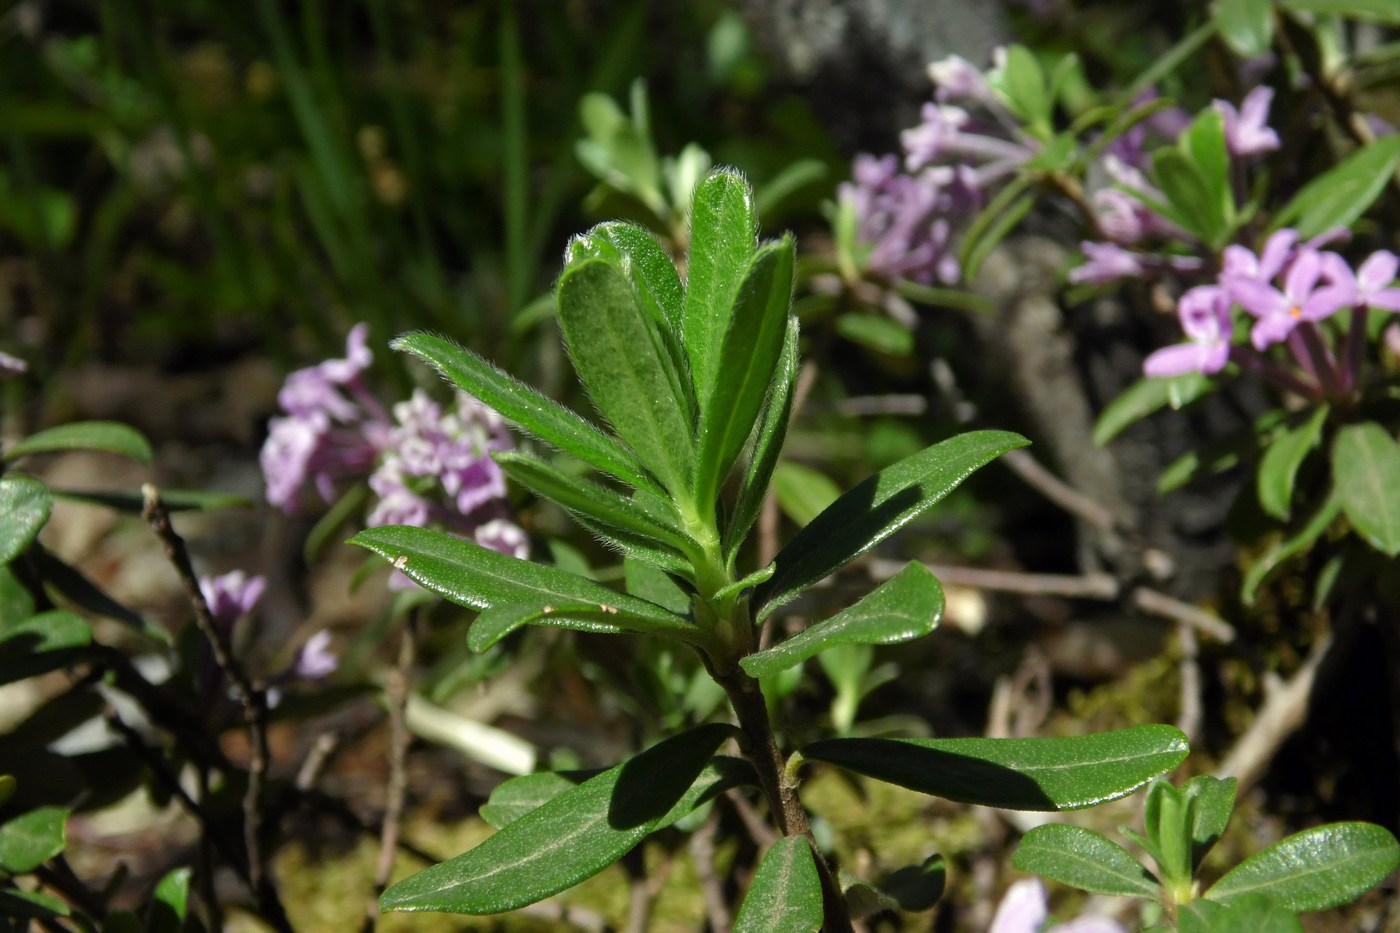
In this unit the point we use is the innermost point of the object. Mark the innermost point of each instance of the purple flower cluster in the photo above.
(908, 208)
(1123, 196)
(233, 595)
(426, 464)
(1024, 910)
(1286, 291)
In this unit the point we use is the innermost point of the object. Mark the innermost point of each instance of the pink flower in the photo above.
(1247, 131)
(1023, 910)
(232, 595)
(11, 366)
(1106, 262)
(1205, 317)
(1315, 286)
(314, 659)
(1374, 281)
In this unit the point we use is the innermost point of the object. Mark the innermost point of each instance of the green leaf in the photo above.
(1339, 196)
(24, 510)
(875, 509)
(991, 231)
(1247, 26)
(1366, 473)
(917, 887)
(1083, 859)
(170, 903)
(646, 582)
(109, 436)
(620, 358)
(529, 410)
(749, 356)
(576, 834)
(1022, 83)
(657, 286)
(1144, 397)
(768, 443)
(31, 839)
(34, 905)
(470, 575)
(1317, 869)
(803, 493)
(1212, 801)
(1167, 821)
(1188, 194)
(723, 238)
(582, 497)
(175, 500)
(514, 798)
(69, 581)
(1266, 563)
(40, 644)
(1015, 774)
(906, 606)
(786, 893)
(876, 332)
(1204, 144)
(1383, 11)
(1252, 914)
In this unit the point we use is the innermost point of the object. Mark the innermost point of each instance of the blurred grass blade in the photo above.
(109, 436)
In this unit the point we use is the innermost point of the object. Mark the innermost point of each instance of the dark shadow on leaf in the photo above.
(960, 778)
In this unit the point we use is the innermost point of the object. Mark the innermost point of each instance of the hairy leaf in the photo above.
(723, 238)
(526, 408)
(1316, 869)
(1084, 859)
(24, 510)
(768, 442)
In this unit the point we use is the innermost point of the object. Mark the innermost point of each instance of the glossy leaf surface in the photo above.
(576, 834)
(514, 798)
(875, 509)
(470, 575)
(1339, 196)
(1212, 802)
(1316, 869)
(1084, 859)
(24, 509)
(110, 436)
(1015, 774)
(531, 411)
(786, 893)
(621, 359)
(1366, 471)
(906, 606)
(170, 903)
(1253, 914)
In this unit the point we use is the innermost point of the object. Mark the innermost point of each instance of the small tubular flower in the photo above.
(1247, 131)
(1106, 262)
(1205, 317)
(231, 596)
(1023, 909)
(1315, 286)
(1375, 280)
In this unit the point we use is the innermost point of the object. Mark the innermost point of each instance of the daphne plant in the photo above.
(696, 381)
(1316, 869)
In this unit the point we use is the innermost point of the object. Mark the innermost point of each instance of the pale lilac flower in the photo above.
(1121, 208)
(232, 595)
(1247, 131)
(957, 79)
(1205, 317)
(1375, 280)
(1392, 340)
(1315, 286)
(1240, 262)
(12, 366)
(315, 660)
(505, 537)
(904, 221)
(1023, 910)
(947, 133)
(1106, 262)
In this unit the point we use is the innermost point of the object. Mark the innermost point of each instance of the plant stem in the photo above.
(760, 746)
